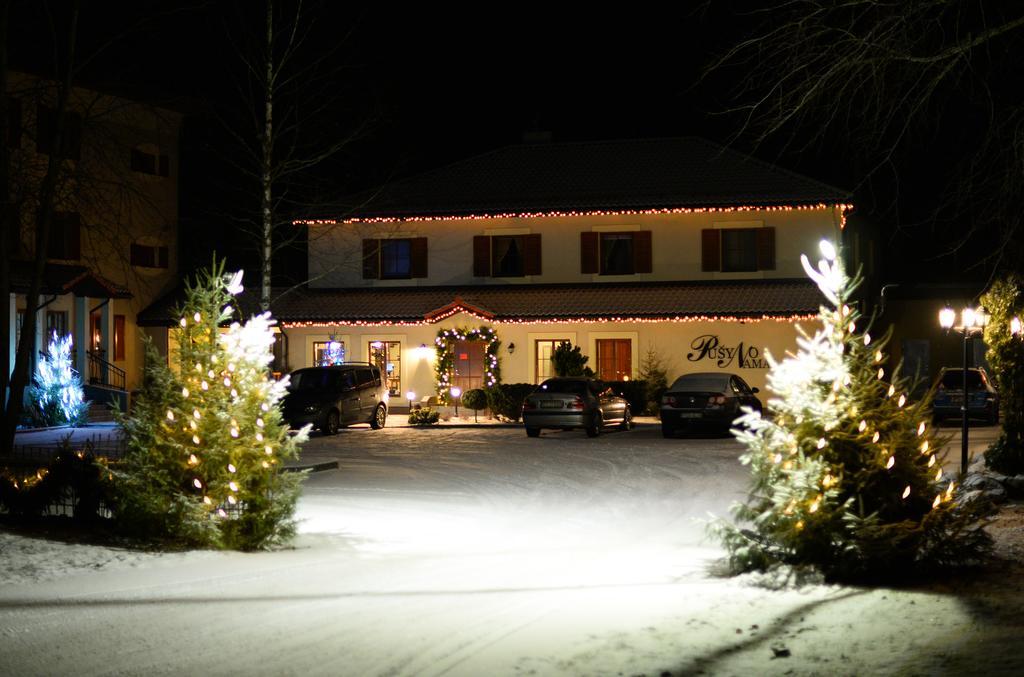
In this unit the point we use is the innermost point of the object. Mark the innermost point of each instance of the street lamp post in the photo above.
(456, 391)
(971, 321)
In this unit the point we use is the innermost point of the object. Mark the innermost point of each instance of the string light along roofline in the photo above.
(798, 317)
(843, 207)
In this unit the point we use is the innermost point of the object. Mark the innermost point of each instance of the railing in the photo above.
(104, 373)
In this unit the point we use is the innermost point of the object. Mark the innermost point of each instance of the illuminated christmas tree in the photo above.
(845, 475)
(56, 393)
(206, 441)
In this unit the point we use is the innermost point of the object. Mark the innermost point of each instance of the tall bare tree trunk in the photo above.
(266, 196)
(44, 217)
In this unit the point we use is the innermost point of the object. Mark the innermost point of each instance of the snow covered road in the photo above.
(462, 552)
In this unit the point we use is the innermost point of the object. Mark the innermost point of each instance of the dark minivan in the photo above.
(336, 396)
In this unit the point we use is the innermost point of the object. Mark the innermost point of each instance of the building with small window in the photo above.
(475, 272)
(113, 236)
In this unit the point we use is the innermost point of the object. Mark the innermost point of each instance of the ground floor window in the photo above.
(326, 353)
(543, 349)
(614, 359)
(56, 321)
(387, 356)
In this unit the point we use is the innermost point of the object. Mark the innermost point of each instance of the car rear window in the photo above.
(555, 385)
(955, 379)
(701, 383)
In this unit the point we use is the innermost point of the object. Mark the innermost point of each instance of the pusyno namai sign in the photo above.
(710, 348)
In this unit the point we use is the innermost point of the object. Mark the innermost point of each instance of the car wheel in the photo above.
(332, 424)
(380, 417)
(533, 432)
(594, 429)
(627, 420)
(667, 430)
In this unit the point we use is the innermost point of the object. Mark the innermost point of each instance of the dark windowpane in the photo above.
(71, 137)
(161, 258)
(507, 254)
(395, 258)
(739, 249)
(143, 162)
(56, 321)
(616, 253)
(142, 255)
(65, 236)
(165, 166)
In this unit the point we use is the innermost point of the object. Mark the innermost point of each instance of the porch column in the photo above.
(42, 340)
(81, 334)
(10, 319)
(107, 333)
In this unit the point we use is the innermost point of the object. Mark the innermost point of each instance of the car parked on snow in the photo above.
(335, 396)
(566, 403)
(705, 399)
(982, 397)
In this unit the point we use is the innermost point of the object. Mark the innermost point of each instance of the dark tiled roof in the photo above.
(61, 278)
(615, 175)
(554, 302)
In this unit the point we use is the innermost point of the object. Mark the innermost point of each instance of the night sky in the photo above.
(424, 88)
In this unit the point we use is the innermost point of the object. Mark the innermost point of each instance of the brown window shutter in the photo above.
(418, 254)
(711, 249)
(766, 248)
(481, 256)
(642, 253)
(371, 259)
(118, 337)
(589, 245)
(531, 257)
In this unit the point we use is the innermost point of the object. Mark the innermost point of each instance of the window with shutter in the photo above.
(419, 257)
(481, 256)
(589, 259)
(371, 259)
(738, 250)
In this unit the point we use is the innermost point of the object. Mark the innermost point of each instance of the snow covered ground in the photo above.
(483, 552)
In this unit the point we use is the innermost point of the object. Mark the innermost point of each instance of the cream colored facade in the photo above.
(335, 262)
(335, 250)
(674, 341)
(119, 207)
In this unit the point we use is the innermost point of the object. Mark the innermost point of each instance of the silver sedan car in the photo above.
(566, 403)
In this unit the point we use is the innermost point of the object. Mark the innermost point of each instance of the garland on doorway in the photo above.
(444, 365)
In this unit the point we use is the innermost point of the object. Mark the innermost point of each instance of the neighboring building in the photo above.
(677, 246)
(113, 242)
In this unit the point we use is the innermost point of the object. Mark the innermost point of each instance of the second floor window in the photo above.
(146, 162)
(616, 253)
(737, 250)
(65, 237)
(149, 256)
(506, 255)
(394, 258)
(71, 136)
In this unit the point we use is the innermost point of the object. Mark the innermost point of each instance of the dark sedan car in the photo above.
(711, 399)
(567, 403)
(982, 398)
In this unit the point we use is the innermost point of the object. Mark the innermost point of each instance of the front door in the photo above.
(468, 362)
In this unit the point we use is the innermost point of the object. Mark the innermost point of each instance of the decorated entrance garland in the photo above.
(445, 363)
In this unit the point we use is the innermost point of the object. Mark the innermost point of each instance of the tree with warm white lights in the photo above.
(206, 442)
(846, 475)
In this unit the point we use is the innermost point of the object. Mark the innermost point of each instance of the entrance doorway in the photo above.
(468, 364)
